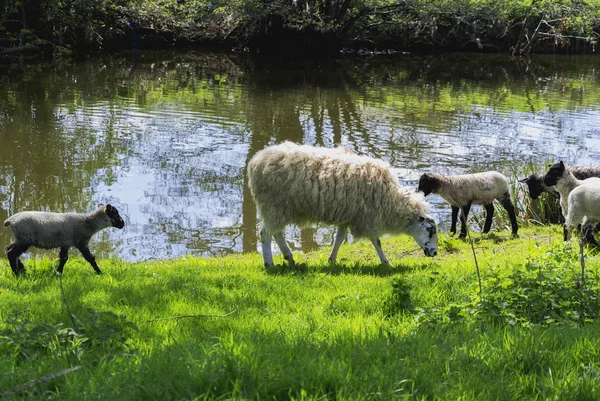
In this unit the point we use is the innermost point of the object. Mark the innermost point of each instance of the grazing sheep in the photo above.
(58, 230)
(300, 184)
(461, 191)
(583, 206)
(536, 186)
(559, 176)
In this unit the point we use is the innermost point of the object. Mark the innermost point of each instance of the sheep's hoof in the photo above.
(515, 236)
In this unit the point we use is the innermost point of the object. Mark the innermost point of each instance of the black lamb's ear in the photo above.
(108, 208)
(562, 165)
(524, 180)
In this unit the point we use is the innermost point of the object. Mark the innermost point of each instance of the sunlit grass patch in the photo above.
(196, 328)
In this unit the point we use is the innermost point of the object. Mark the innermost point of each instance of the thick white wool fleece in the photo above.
(300, 184)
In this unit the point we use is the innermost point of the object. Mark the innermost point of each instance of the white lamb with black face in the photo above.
(49, 230)
(300, 184)
(536, 186)
(462, 191)
(565, 182)
(583, 206)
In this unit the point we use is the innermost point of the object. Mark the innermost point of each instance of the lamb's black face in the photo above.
(114, 216)
(534, 184)
(555, 172)
(428, 184)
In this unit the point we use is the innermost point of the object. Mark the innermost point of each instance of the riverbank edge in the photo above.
(416, 27)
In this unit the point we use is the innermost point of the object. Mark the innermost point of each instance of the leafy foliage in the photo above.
(543, 291)
(28, 340)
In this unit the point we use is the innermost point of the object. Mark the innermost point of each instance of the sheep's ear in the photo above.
(524, 180)
(101, 206)
(562, 165)
(108, 208)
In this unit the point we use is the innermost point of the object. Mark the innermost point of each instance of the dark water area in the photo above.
(166, 136)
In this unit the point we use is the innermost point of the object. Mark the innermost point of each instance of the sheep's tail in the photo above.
(7, 223)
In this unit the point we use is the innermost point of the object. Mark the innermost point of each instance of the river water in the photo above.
(166, 136)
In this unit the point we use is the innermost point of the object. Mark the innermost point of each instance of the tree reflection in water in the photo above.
(167, 136)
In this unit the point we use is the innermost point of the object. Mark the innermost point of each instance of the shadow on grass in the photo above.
(302, 269)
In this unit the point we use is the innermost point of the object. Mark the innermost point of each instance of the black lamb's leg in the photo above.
(587, 232)
(463, 219)
(63, 257)
(85, 251)
(489, 212)
(507, 204)
(13, 251)
(454, 219)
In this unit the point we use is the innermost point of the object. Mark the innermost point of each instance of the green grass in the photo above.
(351, 331)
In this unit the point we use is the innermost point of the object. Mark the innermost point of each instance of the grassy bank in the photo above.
(28, 27)
(224, 328)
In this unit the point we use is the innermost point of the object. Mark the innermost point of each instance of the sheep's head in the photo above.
(428, 183)
(424, 231)
(555, 172)
(113, 215)
(535, 184)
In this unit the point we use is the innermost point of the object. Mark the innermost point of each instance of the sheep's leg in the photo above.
(63, 257)
(454, 219)
(339, 239)
(377, 244)
(587, 234)
(463, 219)
(265, 240)
(285, 249)
(85, 251)
(507, 204)
(489, 215)
(13, 251)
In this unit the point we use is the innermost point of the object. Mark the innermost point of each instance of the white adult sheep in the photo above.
(49, 230)
(301, 184)
(462, 191)
(583, 206)
(563, 179)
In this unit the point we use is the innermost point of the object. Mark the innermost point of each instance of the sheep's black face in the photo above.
(114, 216)
(428, 184)
(534, 184)
(555, 172)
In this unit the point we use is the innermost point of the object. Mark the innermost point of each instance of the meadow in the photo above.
(226, 328)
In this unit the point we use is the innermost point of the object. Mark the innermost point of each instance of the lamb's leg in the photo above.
(489, 215)
(377, 244)
(339, 238)
(63, 257)
(265, 240)
(285, 249)
(573, 218)
(454, 219)
(507, 204)
(587, 234)
(13, 251)
(463, 220)
(85, 251)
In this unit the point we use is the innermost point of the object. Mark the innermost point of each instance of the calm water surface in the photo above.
(166, 137)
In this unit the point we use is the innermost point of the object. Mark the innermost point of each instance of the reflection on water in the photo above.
(166, 136)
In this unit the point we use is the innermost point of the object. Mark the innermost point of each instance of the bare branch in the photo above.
(43, 379)
(198, 315)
